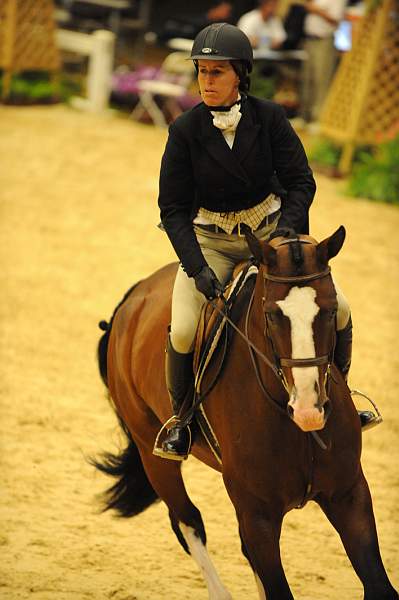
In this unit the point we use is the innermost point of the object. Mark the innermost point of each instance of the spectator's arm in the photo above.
(312, 8)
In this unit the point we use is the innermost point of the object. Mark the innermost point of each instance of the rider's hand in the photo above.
(286, 232)
(208, 284)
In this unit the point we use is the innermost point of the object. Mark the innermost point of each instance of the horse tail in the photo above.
(102, 349)
(132, 493)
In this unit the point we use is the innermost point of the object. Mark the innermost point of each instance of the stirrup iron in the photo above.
(158, 449)
(377, 418)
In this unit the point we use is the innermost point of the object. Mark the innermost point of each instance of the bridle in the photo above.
(316, 361)
(279, 362)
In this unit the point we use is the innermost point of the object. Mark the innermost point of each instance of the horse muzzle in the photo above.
(309, 416)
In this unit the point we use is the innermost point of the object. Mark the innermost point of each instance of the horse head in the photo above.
(299, 303)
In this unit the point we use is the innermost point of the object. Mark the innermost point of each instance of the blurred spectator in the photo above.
(294, 22)
(321, 21)
(263, 27)
(187, 26)
(221, 12)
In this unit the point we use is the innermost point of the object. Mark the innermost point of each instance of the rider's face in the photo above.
(218, 82)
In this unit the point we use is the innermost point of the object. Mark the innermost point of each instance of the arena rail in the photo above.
(99, 47)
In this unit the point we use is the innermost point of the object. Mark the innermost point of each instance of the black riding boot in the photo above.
(343, 358)
(180, 384)
(343, 349)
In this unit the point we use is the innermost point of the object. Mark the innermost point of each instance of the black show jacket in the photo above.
(199, 169)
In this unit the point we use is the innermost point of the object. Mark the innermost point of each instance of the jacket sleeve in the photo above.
(292, 169)
(176, 201)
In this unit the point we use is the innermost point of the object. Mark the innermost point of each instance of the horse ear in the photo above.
(269, 255)
(254, 245)
(330, 247)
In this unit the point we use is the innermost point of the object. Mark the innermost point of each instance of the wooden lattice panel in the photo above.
(342, 101)
(381, 111)
(4, 8)
(27, 35)
(363, 101)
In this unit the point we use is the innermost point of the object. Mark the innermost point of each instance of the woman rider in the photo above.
(230, 163)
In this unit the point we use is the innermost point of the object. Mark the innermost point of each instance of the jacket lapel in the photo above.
(246, 134)
(214, 142)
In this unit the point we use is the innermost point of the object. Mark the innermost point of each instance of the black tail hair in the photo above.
(102, 349)
(132, 493)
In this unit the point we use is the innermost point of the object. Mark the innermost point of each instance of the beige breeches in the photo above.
(222, 252)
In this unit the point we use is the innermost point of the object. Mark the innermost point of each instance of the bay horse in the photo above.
(264, 413)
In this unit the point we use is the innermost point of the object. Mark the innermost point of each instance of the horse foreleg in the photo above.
(353, 518)
(198, 551)
(260, 536)
(166, 478)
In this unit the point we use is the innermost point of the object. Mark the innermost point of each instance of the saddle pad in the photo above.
(212, 323)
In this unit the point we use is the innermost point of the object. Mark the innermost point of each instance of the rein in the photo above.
(279, 374)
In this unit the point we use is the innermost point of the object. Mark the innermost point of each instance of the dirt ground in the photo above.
(78, 227)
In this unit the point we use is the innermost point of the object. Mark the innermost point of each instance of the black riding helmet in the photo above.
(222, 41)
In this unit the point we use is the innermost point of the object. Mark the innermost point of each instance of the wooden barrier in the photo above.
(363, 102)
(26, 38)
(99, 47)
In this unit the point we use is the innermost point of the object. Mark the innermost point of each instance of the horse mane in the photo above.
(102, 349)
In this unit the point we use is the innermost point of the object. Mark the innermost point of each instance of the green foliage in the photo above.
(372, 5)
(262, 86)
(38, 86)
(376, 175)
(325, 153)
(375, 170)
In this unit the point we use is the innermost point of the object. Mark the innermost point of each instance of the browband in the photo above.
(296, 278)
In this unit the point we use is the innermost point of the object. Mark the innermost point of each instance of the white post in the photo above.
(100, 70)
(99, 47)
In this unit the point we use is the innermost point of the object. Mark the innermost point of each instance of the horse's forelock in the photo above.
(296, 253)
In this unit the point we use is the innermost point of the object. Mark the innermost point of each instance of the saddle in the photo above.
(212, 343)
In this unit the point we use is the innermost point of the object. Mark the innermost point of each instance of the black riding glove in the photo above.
(286, 232)
(208, 284)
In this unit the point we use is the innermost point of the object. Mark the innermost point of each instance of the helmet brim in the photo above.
(211, 57)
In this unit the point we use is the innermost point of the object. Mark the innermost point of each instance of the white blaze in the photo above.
(300, 307)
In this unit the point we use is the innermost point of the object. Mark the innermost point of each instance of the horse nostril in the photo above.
(290, 411)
